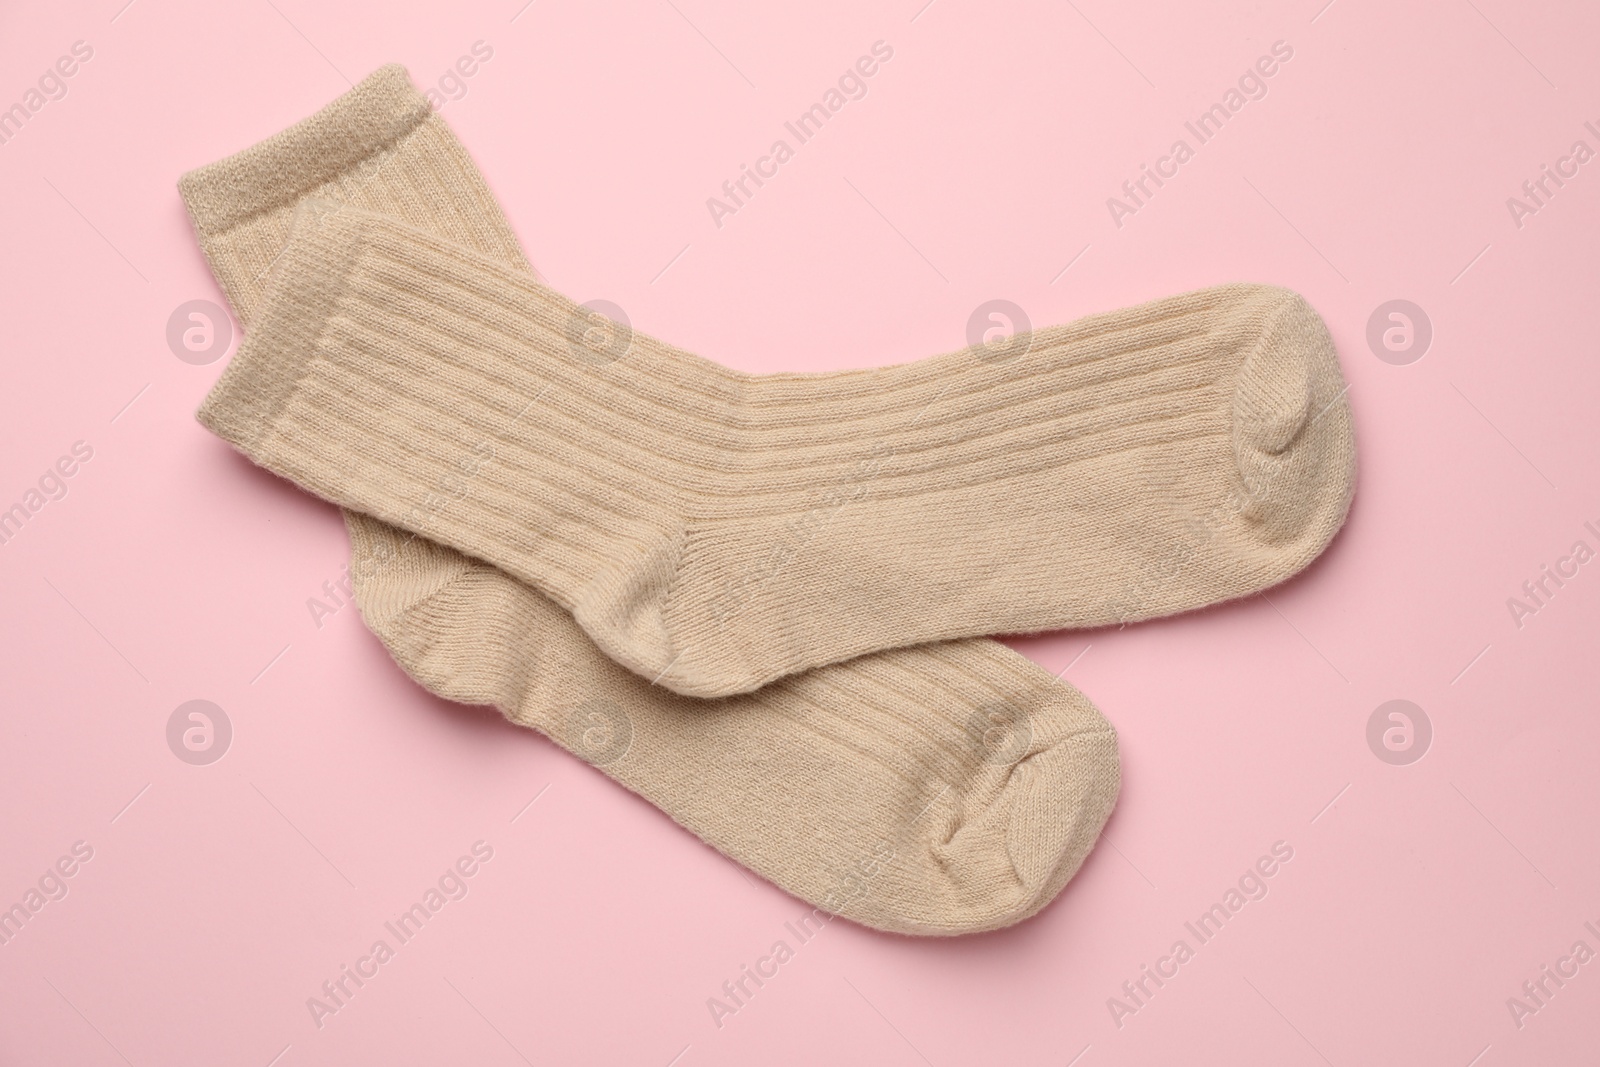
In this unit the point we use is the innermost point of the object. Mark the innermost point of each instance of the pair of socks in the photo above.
(939, 790)
(743, 597)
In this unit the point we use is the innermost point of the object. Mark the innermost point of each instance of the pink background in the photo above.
(220, 897)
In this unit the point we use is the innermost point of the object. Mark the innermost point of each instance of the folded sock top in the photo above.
(348, 134)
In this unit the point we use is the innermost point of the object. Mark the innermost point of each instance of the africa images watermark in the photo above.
(598, 333)
(999, 732)
(452, 885)
(998, 332)
(1200, 532)
(1537, 192)
(1538, 591)
(1251, 85)
(51, 486)
(452, 84)
(337, 592)
(799, 532)
(852, 85)
(448, 489)
(850, 885)
(51, 85)
(1539, 991)
(1252, 886)
(1399, 732)
(199, 332)
(199, 732)
(51, 886)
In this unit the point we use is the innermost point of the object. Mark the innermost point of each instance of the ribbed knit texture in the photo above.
(716, 530)
(938, 790)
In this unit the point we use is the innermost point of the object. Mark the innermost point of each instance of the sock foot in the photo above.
(934, 791)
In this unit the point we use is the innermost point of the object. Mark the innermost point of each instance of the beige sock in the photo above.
(938, 790)
(716, 530)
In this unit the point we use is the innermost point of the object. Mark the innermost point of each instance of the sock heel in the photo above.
(623, 608)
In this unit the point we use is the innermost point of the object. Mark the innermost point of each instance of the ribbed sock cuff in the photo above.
(339, 388)
(307, 284)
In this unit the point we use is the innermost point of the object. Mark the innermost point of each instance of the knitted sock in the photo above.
(939, 790)
(716, 530)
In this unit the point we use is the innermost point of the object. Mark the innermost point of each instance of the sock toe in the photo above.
(1003, 858)
(1065, 797)
(1272, 401)
(1292, 435)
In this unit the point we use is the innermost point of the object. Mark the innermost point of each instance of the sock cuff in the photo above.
(306, 287)
(379, 111)
(332, 389)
